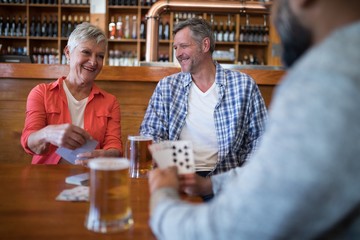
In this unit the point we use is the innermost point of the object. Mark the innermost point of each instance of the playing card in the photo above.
(174, 153)
(70, 155)
(79, 193)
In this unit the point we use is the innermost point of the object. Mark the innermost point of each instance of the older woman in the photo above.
(68, 112)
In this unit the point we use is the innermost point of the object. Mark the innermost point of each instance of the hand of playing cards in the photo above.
(174, 153)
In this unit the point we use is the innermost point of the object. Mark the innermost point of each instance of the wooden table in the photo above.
(28, 209)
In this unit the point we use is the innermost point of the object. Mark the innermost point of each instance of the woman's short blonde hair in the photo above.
(85, 32)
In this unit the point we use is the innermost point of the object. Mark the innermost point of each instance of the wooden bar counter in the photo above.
(133, 87)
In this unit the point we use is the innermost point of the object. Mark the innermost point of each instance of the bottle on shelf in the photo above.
(1, 25)
(220, 33)
(119, 28)
(76, 21)
(32, 26)
(226, 31)
(38, 27)
(55, 27)
(13, 27)
(265, 38)
(161, 30)
(134, 27)
(112, 28)
(215, 30)
(19, 28)
(63, 26)
(232, 32)
(69, 26)
(127, 27)
(24, 28)
(50, 30)
(167, 31)
(143, 29)
(44, 27)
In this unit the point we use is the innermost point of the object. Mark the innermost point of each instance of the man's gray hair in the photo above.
(85, 32)
(200, 29)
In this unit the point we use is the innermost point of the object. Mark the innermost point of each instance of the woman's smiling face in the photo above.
(86, 61)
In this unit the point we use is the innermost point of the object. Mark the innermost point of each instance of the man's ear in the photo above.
(206, 44)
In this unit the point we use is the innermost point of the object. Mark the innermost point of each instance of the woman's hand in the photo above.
(62, 135)
(83, 158)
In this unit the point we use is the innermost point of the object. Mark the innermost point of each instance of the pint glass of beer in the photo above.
(109, 197)
(138, 153)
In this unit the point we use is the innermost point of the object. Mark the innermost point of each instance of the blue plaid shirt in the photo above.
(239, 115)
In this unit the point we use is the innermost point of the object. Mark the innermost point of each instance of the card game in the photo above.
(174, 153)
(70, 155)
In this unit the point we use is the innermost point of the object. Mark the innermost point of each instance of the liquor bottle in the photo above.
(127, 27)
(55, 27)
(44, 27)
(32, 27)
(143, 29)
(7, 27)
(76, 22)
(226, 31)
(247, 32)
(1, 25)
(50, 30)
(265, 31)
(19, 28)
(63, 26)
(38, 27)
(134, 27)
(232, 32)
(161, 30)
(176, 19)
(81, 20)
(242, 33)
(112, 28)
(24, 28)
(69, 26)
(215, 30)
(220, 35)
(13, 27)
(167, 31)
(87, 18)
(119, 28)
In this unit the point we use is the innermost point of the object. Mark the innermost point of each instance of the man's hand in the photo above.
(194, 185)
(160, 178)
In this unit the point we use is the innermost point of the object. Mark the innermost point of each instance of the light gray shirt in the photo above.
(304, 179)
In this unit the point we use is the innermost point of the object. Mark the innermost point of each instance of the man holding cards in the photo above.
(220, 111)
(72, 111)
(302, 182)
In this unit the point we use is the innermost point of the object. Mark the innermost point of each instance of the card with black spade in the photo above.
(174, 153)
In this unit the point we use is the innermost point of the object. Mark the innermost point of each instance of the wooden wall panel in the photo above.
(132, 86)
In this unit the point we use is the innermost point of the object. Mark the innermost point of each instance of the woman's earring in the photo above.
(68, 61)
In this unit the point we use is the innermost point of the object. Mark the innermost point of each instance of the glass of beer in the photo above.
(109, 196)
(138, 153)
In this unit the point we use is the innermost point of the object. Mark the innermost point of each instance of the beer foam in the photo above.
(140, 138)
(109, 163)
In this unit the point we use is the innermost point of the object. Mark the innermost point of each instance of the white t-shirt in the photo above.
(199, 127)
(77, 108)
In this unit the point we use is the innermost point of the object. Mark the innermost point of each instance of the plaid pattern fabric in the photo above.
(240, 114)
